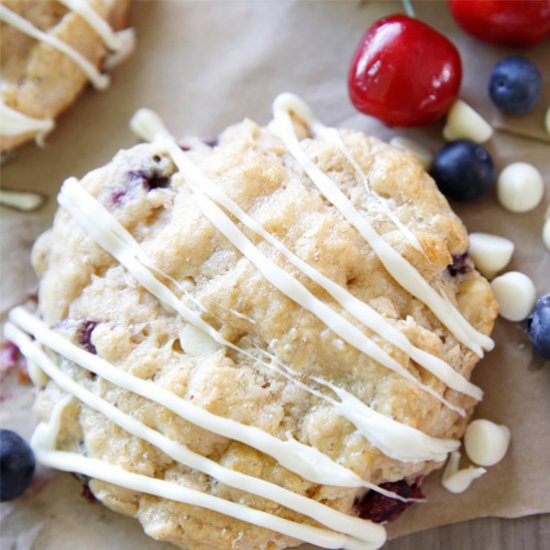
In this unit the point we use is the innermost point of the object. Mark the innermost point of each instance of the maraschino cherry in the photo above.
(519, 23)
(404, 72)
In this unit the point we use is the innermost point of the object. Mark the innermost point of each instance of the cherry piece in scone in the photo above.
(380, 508)
(404, 72)
(518, 23)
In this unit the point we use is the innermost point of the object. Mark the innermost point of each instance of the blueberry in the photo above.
(515, 85)
(461, 265)
(16, 465)
(538, 326)
(463, 170)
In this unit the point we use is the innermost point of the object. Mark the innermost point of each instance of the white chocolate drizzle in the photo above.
(397, 266)
(358, 309)
(393, 438)
(390, 436)
(127, 39)
(458, 481)
(43, 444)
(308, 462)
(108, 233)
(99, 80)
(15, 123)
(349, 525)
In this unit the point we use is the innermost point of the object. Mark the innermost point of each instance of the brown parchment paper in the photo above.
(204, 65)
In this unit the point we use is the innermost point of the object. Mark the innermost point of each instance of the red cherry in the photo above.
(404, 72)
(520, 23)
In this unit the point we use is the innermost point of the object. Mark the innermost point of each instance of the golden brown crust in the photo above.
(39, 80)
(79, 281)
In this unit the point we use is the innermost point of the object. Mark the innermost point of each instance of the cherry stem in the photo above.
(407, 4)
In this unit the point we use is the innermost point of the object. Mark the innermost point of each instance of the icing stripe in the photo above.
(307, 462)
(103, 228)
(399, 268)
(15, 123)
(358, 309)
(42, 443)
(99, 80)
(325, 515)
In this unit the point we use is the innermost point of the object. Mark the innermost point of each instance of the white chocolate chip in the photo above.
(196, 342)
(546, 233)
(126, 39)
(148, 125)
(25, 201)
(455, 480)
(515, 294)
(520, 187)
(465, 123)
(485, 442)
(490, 253)
(423, 154)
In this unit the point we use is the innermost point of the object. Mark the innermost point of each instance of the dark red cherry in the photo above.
(379, 508)
(404, 72)
(519, 23)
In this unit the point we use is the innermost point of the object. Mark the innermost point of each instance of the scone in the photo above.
(50, 51)
(245, 342)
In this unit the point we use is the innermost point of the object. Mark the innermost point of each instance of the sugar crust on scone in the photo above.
(80, 282)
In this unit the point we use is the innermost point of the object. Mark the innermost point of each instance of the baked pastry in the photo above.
(50, 50)
(244, 340)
